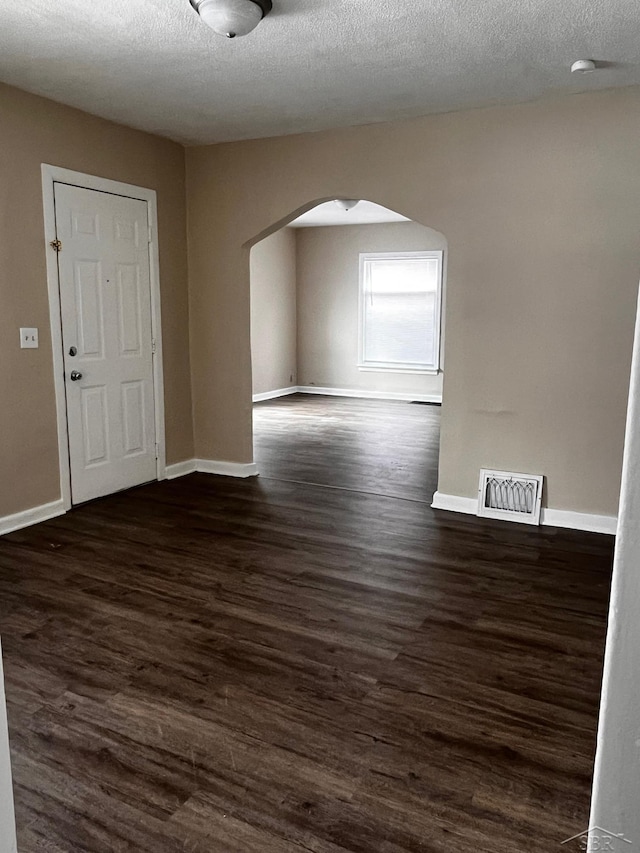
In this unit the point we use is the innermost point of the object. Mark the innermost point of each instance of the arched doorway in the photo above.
(347, 331)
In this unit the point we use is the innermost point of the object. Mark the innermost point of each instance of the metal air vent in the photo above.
(509, 496)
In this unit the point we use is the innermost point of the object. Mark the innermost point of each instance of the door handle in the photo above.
(75, 375)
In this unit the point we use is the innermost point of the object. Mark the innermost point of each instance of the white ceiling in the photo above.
(311, 64)
(364, 213)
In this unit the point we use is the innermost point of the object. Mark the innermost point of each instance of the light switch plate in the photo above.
(29, 338)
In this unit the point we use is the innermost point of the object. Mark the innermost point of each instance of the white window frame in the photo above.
(395, 367)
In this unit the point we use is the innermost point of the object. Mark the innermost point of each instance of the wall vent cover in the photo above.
(509, 496)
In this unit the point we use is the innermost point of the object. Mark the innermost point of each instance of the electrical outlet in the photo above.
(29, 338)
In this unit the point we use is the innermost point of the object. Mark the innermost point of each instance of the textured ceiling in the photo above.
(311, 64)
(364, 213)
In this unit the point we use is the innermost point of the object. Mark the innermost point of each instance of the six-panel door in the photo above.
(105, 298)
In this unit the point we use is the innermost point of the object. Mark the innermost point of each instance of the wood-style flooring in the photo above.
(274, 666)
(383, 448)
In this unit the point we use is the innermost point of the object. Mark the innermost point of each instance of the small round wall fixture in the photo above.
(347, 203)
(583, 66)
(232, 18)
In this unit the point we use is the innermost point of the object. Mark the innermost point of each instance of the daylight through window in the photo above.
(400, 310)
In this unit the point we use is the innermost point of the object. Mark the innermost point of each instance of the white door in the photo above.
(105, 299)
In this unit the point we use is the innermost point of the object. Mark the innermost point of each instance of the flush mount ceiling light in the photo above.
(232, 18)
(583, 66)
(347, 203)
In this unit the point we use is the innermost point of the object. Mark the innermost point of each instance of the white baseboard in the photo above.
(271, 395)
(211, 466)
(549, 517)
(227, 469)
(180, 469)
(580, 521)
(369, 395)
(454, 503)
(347, 392)
(35, 515)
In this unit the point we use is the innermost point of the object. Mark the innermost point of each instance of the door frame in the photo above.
(56, 174)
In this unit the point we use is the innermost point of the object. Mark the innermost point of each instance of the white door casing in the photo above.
(105, 301)
(51, 175)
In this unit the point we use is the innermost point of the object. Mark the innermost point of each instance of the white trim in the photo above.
(364, 279)
(51, 175)
(369, 395)
(8, 842)
(211, 466)
(454, 503)
(422, 371)
(56, 333)
(271, 395)
(227, 469)
(180, 469)
(549, 517)
(580, 521)
(35, 515)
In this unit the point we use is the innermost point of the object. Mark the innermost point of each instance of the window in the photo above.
(400, 299)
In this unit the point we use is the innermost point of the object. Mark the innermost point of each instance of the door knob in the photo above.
(75, 375)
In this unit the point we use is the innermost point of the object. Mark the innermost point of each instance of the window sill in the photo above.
(424, 371)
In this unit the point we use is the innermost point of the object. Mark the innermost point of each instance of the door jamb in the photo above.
(51, 175)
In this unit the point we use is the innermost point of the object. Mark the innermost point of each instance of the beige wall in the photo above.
(273, 312)
(34, 131)
(540, 204)
(328, 305)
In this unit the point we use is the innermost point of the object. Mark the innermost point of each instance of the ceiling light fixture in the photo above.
(232, 18)
(347, 203)
(583, 66)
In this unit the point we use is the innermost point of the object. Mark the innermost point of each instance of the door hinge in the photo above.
(150, 234)
(56, 245)
(153, 345)
(157, 450)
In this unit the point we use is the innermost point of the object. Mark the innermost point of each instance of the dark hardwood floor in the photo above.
(386, 448)
(267, 666)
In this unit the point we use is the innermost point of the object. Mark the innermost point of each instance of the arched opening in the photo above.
(347, 343)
